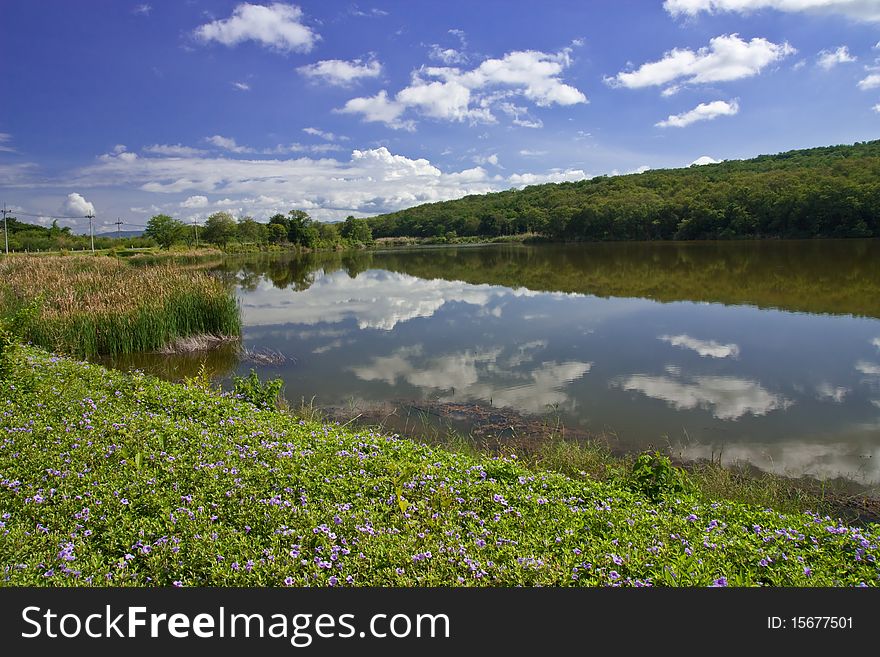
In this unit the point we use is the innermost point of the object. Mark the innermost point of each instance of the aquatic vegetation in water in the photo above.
(94, 305)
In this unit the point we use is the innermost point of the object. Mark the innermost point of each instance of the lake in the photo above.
(763, 352)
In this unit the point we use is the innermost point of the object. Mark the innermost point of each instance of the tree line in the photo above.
(296, 228)
(820, 192)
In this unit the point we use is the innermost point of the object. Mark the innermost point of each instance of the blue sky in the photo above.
(188, 107)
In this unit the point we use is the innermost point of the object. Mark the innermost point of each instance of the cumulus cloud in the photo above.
(554, 175)
(867, 10)
(870, 82)
(703, 160)
(702, 112)
(450, 55)
(380, 109)
(451, 94)
(77, 206)
(727, 57)
(876, 108)
(228, 144)
(447, 55)
(195, 202)
(341, 73)
(487, 159)
(828, 59)
(278, 26)
(173, 150)
(370, 182)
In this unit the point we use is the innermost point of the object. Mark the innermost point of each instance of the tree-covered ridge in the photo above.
(832, 191)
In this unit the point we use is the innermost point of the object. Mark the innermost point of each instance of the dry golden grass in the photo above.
(88, 305)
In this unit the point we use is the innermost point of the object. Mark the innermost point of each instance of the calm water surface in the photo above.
(765, 352)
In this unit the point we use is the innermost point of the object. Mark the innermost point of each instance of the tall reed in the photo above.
(94, 305)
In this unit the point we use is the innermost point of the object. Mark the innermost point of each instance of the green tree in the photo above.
(303, 230)
(220, 227)
(329, 234)
(277, 233)
(165, 230)
(251, 231)
(356, 230)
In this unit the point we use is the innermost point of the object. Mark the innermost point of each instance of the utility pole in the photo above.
(5, 229)
(91, 216)
(196, 231)
(118, 223)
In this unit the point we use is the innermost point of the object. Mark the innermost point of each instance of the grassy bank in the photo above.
(88, 305)
(117, 479)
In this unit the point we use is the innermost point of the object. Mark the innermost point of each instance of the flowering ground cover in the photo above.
(118, 479)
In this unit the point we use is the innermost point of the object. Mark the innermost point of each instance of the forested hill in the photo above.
(819, 192)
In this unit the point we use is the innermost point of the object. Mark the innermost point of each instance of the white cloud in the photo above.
(867, 10)
(447, 55)
(554, 175)
(173, 150)
(525, 152)
(490, 159)
(143, 10)
(323, 134)
(727, 398)
(520, 116)
(17, 174)
(441, 100)
(702, 112)
(76, 205)
(380, 109)
(195, 202)
(340, 72)
(703, 160)
(372, 181)
(876, 342)
(870, 82)
(4, 138)
(702, 347)
(727, 57)
(450, 55)
(242, 86)
(876, 108)
(828, 59)
(374, 12)
(277, 26)
(228, 144)
(448, 93)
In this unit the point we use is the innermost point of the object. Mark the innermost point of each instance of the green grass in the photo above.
(86, 305)
(109, 478)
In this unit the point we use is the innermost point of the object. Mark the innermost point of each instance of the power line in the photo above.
(47, 216)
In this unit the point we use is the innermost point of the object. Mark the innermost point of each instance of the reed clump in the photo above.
(85, 305)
